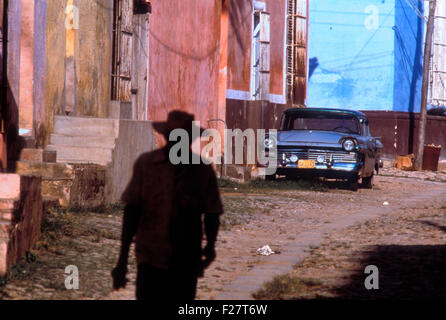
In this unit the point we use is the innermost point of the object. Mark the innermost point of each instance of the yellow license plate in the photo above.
(306, 164)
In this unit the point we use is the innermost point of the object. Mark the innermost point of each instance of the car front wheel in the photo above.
(353, 184)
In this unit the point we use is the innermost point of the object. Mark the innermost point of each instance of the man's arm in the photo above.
(129, 227)
(211, 225)
(213, 208)
(131, 197)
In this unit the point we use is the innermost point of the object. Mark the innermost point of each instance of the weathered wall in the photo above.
(72, 68)
(26, 66)
(93, 55)
(55, 63)
(244, 114)
(408, 49)
(21, 213)
(13, 80)
(135, 138)
(88, 186)
(184, 58)
(351, 54)
(40, 123)
(277, 10)
(365, 55)
(397, 128)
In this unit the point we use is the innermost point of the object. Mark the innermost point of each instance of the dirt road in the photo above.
(295, 221)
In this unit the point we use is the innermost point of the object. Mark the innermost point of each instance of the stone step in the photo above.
(82, 141)
(74, 154)
(38, 155)
(84, 126)
(47, 170)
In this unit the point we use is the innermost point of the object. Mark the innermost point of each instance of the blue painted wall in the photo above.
(365, 55)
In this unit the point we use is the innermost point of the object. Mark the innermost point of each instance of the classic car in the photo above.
(330, 143)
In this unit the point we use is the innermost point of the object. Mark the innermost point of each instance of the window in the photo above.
(437, 81)
(122, 50)
(260, 57)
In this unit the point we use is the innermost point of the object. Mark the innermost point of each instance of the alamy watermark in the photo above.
(71, 277)
(248, 147)
(372, 280)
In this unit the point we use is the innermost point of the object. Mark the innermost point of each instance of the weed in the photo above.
(284, 286)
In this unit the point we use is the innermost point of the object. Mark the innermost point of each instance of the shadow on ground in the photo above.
(405, 272)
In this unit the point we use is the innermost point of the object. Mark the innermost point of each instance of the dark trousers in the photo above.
(159, 284)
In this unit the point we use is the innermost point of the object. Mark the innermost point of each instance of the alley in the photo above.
(298, 220)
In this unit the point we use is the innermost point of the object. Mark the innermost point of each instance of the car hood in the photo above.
(311, 138)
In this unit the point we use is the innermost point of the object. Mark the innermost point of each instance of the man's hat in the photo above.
(176, 119)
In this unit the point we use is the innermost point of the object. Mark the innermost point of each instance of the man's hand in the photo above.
(119, 279)
(209, 254)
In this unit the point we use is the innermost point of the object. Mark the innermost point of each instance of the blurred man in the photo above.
(164, 208)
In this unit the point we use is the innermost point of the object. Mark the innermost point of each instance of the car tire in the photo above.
(367, 182)
(353, 184)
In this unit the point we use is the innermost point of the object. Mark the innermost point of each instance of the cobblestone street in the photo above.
(321, 229)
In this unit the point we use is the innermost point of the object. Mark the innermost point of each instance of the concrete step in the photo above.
(47, 170)
(77, 126)
(37, 155)
(83, 141)
(74, 154)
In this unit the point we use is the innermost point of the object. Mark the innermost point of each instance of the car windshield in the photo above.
(321, 121)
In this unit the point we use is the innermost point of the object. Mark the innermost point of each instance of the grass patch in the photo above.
(20, 270)
(113, 209)
(260, 185)
(241, 210)
(285, 287)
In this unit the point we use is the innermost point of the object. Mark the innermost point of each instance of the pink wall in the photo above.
(184, 58)
(277, 45)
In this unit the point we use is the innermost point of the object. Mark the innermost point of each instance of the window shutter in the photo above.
(264, 67)
(438, 61)
(123, 42)
(296, 51)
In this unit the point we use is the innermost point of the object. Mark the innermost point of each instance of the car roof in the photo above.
(359, 114)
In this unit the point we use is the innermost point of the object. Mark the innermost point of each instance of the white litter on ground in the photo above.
(265, 250)
(385, 203)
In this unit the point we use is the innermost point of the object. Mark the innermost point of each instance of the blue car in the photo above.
(330, 143)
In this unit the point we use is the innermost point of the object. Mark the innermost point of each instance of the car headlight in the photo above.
(320, 159)
(348, 145)
(269, 143)
(293, 158)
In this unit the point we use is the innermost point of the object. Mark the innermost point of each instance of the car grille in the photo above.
(337, 156)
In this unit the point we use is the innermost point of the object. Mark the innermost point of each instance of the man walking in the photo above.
(164, 206)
